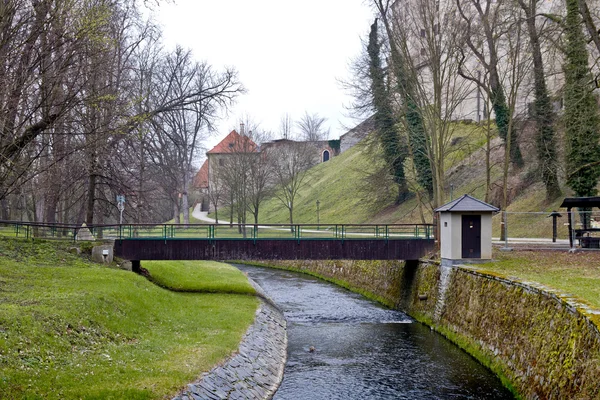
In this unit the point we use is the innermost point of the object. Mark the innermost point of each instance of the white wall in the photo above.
(451, 235)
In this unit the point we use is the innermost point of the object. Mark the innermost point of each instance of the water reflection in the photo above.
(342, 346)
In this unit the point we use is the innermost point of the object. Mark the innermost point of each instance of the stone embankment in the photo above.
(542, 344)
(256, 370)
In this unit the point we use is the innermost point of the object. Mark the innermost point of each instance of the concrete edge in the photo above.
(256, 370)
(269, 302)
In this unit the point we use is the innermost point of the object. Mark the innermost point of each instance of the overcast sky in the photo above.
(289, 54)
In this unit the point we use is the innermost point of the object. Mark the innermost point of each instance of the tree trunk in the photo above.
(91, 200)
(488, 167)
(51, 205)
(184, 198)
(5, 209)
(176, 210)
(139, 209)
(543, 113)
(186, 207)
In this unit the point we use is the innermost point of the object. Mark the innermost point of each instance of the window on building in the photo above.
(422, 33)
(221, 162)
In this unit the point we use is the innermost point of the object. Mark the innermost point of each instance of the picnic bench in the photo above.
(589, 235)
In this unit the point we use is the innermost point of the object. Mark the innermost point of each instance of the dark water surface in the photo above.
(364, 351)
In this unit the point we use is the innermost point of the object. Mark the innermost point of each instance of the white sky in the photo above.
(289, 54)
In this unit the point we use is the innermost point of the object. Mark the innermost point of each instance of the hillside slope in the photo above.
(340, 187)
(345, 195)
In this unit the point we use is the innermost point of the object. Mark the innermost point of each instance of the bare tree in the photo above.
(312, 127)
(216, 191)
(485, 27)
(184, 128)
(291, 171)
(286, 125)
(425, 62)
(232, 165)
(260, 175)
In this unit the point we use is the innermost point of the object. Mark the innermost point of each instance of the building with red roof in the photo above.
(233, 144)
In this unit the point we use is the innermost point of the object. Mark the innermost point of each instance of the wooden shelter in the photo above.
(589, 234)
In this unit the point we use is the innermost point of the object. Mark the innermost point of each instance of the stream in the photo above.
(344, 346)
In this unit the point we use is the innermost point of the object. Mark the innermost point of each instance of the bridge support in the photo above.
(136, 266)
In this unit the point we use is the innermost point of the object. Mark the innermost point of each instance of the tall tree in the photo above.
(260, 175)
(582, 121)
(394, 151)
(484, 21)
(543, 113)
(410, 106)
(291, 170)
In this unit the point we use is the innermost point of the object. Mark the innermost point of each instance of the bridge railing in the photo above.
(271, 231)
(217, 231)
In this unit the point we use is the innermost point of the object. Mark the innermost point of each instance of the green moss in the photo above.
(473, 349)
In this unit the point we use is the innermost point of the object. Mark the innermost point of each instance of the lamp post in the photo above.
(120, 207)
(318, 220)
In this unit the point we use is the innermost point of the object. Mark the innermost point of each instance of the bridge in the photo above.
(137, 242)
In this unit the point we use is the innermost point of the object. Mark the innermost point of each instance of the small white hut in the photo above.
(466, 229)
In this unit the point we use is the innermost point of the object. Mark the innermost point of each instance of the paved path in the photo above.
(203, 215)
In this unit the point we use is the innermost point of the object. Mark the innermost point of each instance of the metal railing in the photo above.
(217, 231)
(541, 228)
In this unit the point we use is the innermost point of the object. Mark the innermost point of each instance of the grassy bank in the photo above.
(573, 273)
(186, 276)
(73, 329)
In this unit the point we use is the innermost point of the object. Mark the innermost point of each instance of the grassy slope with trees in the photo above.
(73, 329)
(345, 195)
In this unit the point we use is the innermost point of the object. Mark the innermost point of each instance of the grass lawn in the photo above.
(202, 277)
(72, 329)
(577, 273)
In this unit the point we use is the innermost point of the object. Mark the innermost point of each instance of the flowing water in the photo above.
(343, 346)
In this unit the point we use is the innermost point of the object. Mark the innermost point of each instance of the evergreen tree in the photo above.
(581, 110)
(542, 108)
(394, 150)
(418, 144)
(414, 121)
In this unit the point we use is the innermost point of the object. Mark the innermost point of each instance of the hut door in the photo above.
(471, 236)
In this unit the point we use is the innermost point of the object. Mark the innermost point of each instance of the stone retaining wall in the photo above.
(256, 370)
(540, 343)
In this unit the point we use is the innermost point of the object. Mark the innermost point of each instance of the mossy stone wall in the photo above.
(538, 344)
(542, 344)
